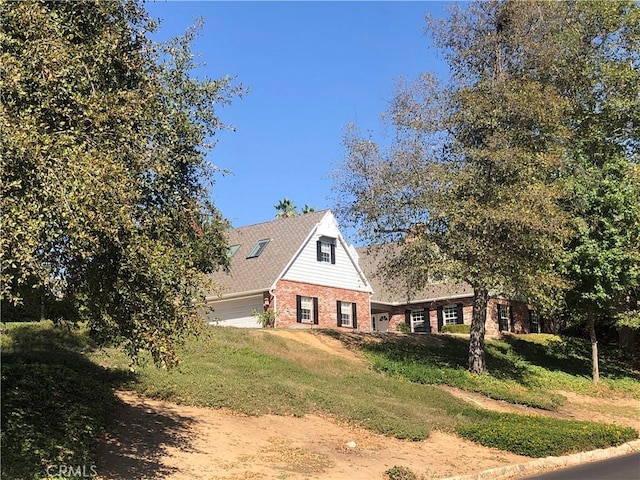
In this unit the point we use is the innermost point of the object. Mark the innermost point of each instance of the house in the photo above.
(302, 269)
(299, 267)
(428, 309)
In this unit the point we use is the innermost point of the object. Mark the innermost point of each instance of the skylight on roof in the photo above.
(231, 251)
(257, 250)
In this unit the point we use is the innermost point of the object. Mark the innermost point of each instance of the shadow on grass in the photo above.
(507, 359)
(55, 401)
(570, 355)
(435, 351)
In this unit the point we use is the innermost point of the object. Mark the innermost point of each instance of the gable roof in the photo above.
(392, 290)
(253, 275)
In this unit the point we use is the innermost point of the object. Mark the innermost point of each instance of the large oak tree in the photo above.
(104, 172)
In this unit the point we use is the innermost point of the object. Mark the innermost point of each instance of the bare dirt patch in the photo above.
(320, 341)
(157, 439)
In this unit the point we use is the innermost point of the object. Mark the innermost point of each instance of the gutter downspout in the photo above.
(275, 306)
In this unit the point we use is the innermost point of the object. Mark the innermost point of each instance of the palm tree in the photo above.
(285, 208)
(308, 209)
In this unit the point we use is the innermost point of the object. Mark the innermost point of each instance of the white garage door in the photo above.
(236, 313)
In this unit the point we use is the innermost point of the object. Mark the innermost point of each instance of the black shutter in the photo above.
(440, 319)
(333, 253)
(427, 320)
(459, 314)
(339, 310)
(315, 310)
(319, 250)
(355, 316)
(298, 309)
(407, 319)
(511, 320)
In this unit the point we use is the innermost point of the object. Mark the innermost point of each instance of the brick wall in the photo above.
(286, 291)
(518, 323)
(397, 316)
(519, 316)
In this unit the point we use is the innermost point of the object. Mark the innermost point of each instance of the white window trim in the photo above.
(415, 313)
(304, 303)
(506, 319)
(346, 314)
(450, 314)
(325, 252)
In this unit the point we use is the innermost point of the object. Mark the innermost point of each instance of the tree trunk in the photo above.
(476, 338)
(595, 371)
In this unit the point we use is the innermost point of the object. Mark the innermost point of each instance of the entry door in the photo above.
(380, 322)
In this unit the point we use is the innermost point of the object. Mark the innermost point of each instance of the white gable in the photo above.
(306, 268)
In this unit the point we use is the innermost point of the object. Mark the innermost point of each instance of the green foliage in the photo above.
(456, 329)
(105, 182)
(286, 208)
(55, 403)
(266, 319)
(403, 328)
(543, 437)
(629, 319)
(524, 370)
(400, 473)
(471, 176)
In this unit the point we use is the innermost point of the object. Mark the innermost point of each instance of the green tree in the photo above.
(104, 176)
(286, 208)
(597, 47)
(470, 185)
(308, 209)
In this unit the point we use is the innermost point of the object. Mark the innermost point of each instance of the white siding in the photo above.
(306, 267)
(236, 313)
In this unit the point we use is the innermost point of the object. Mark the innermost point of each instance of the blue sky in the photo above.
(311, 68)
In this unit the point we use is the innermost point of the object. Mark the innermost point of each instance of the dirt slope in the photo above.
(153, 439)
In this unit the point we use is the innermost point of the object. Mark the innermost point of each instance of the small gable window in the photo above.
(326, 250)
(257, 250)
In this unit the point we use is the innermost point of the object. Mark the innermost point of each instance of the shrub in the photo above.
(403, 328)
(456, 329)
(266, 319)
(400, 473)
(543, 437)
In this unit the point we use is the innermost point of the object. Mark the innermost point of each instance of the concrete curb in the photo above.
(552, 462)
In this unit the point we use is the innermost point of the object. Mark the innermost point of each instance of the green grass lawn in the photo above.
(57, 390)
(524, 369)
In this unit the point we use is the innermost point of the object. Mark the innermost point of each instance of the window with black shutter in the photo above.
(326, 250)
(306, 309)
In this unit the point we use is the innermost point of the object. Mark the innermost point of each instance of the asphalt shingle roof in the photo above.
(390, 290)
(286, 236)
